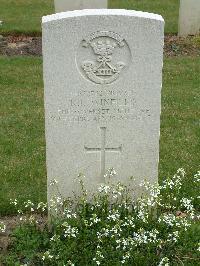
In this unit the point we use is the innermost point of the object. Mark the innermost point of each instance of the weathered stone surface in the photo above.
(103, 79)
(67, 5)
(189, 17)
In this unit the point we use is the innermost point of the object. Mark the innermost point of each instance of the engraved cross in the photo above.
(103, 149)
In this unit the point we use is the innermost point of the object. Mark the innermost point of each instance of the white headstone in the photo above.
(189, 17)
(103, 79)
(67, 5)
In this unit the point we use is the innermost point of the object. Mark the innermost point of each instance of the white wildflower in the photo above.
(99, 254)
(187, 204)
(28, 204)
(120, 187)
(70, 263)
(2, 227)
(129, 221)
(164, 262)
(117, 191)
(145, 184)
(53, 182)
(42, 206)
(55, 203)
(69, 214)
(104, 189)
(181, 171)
(94, 219)
(145, 237)
(54, 238)
(59, 200)
(97, 262)
(197, 177)
(69, 231)
(110, 172)
(142, 211)
(168, 219)
(47, 255)
(113, 215)
(172, 221)
(125, 257)
(175, 182)
(14, 202)
(173, 237)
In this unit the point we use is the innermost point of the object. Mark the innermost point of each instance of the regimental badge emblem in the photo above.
(105, 56)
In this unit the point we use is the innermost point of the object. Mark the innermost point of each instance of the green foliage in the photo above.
(28, 240)
(189, 240)
(160, 227)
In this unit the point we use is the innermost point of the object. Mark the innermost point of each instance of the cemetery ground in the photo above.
(22, 130)
(23, 170)
(23, 174)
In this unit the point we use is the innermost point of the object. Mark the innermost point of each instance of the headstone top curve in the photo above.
(101, 12)
(102, 92)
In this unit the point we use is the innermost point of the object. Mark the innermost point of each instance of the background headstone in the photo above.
(189, 17)
(67, 5)
(103, 79)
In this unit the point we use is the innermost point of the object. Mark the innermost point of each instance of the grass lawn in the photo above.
(22, 143)
(24, 16)
(22, 131)
(169, 9)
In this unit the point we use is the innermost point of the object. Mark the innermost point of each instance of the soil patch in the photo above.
(32, 46)
(177, 46)
(22, 45)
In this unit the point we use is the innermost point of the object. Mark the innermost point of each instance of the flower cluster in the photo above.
(188, 206)
(114, 227)
(69, 231)
(170, 220)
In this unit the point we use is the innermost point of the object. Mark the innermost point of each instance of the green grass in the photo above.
(22, 165)
(180, 115)
(169, 9)
(24, 16)
(22, 143)
(180, 134)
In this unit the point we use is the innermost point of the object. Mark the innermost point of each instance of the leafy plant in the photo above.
(159, 228)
